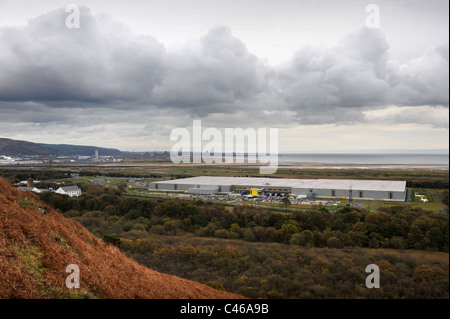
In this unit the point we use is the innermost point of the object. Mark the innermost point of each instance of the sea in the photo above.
(434, 161)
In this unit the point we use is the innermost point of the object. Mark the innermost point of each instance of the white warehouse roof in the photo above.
(375, 185)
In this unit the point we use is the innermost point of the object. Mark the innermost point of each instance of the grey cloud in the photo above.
(368, 46)
(335, 85)
(322, 83)
(124, 77)
(425, 80)
(434, 116)
(100, 61)
(221, 71)
(30, 112)
(104, 63)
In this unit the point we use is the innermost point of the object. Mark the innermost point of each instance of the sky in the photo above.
(135, 70)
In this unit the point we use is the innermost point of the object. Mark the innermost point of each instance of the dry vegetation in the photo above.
(37, 243)
(259, 253)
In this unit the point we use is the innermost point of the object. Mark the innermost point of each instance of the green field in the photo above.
(169, 170)
(431, 183)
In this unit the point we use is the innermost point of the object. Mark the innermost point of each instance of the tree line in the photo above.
(260, 253)
(398, 227)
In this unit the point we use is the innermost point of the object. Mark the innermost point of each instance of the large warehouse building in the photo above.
(318, 188)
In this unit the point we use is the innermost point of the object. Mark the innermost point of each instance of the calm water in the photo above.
(405, 159)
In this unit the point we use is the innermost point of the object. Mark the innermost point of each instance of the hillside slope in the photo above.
(37, 243)
(11, 147)
(72, 150)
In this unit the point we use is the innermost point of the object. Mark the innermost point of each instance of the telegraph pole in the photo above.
(350, 196)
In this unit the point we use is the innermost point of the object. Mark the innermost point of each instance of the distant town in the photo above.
(65, 159)
(16, 152)
(36, 159)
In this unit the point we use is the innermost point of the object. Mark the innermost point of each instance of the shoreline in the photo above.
(281, 165)
(361, 166)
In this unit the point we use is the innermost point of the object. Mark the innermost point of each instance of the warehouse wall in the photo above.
(182, 187)
(204, 190)
(319, 193)
(166, 187)
(225, 188)
(369, 195)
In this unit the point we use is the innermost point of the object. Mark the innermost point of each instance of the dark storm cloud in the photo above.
(106, 67)
(30, 112)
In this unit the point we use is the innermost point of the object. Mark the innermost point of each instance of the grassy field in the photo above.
(375, 205)
(166, 170)
(112, 175)
(388, 174)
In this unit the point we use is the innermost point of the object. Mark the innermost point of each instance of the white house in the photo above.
(72, 191)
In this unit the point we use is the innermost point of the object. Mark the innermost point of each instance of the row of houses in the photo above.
(72, 191)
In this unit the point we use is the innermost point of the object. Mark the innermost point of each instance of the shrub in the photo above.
(216, 285)
(424, 272)
(248, 235)
(111, 239)
(221, 233)
(334, 242)
(25, 202)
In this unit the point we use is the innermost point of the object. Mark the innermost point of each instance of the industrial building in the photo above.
(312, 188)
